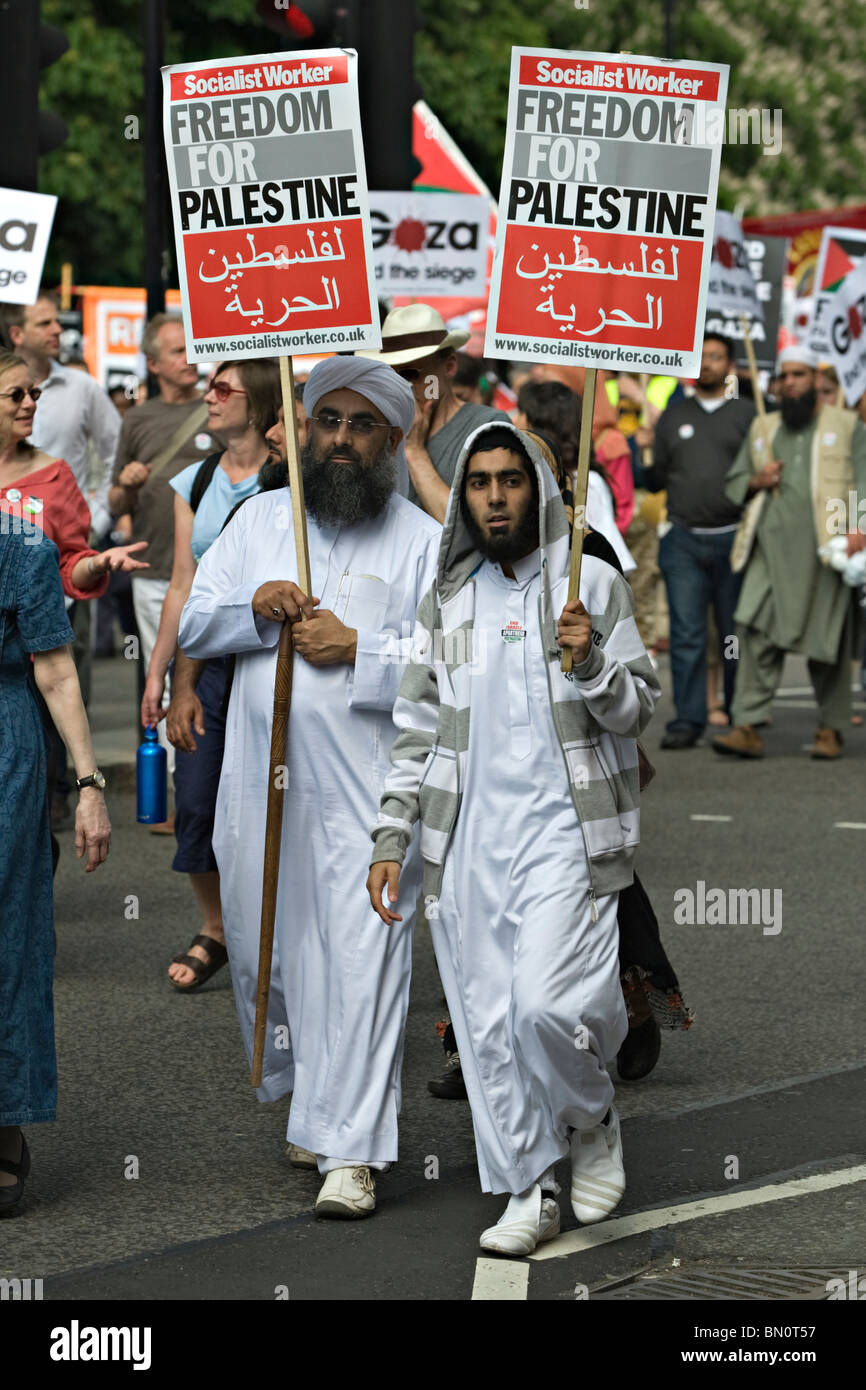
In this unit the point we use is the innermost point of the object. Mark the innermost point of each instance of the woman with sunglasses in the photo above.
(243, 400)
(38, 490)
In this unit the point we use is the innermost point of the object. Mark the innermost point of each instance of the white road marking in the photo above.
(850, 825)
(572, 1242)
(499, 1280)
(724, 818)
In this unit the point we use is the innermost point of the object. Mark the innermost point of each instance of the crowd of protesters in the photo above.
(702, 507)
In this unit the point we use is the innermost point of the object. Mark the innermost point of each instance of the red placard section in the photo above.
(266, 298)
(655, 309)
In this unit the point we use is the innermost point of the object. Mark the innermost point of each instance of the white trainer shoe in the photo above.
(526, 1222)
(349, 1193)
(597, 1171)
(300, 1158)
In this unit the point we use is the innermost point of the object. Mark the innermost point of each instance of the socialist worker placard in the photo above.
(270, 205)
(606, 211)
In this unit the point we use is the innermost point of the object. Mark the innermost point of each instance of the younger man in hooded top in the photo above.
(525, 783)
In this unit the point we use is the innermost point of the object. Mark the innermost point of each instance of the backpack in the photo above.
(203, 478)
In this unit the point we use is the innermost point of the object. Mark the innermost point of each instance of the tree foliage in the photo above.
(807, 62)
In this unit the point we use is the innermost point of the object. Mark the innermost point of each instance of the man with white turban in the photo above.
(339, 985)
(809, 462)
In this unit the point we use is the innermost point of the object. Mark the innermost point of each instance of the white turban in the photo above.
(798, 352)
(381, 386)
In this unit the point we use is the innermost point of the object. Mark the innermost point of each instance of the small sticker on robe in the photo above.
(513, 631)
(686, 431)
(829, 440)
(758, 444)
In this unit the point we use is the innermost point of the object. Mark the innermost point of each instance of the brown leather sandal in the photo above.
(202, 969)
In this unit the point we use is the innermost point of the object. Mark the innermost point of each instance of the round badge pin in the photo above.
(203, 441)
(13, 495)
(33, 505)
(686, 431)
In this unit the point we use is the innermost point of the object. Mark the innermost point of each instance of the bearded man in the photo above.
(339, 985)
(813, 469)
(525, 784)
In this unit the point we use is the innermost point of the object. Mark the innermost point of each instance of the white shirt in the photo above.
(74, 412)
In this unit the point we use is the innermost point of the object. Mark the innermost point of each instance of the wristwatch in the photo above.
(95, 779)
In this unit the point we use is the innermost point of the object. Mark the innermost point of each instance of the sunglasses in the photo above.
(18, 393)
(409, 373)
(222, 391)
(328, 421)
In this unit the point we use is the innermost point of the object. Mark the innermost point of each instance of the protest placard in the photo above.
(429, 244)
(846, 333)
(763, 258)
(731, 288)
(25, 227)
(269, 196)
(606, 211)
(840, 252)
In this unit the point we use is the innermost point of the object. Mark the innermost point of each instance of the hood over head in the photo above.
(458, 555)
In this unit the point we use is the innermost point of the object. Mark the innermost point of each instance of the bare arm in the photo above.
(57, 680)
(432, 492)
(182, 575)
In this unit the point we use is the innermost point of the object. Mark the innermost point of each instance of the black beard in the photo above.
(504, 550)
(346, 493)
(798, 413)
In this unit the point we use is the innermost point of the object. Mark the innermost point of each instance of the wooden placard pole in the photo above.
(756, 389)
(581, 485)
(279, 728)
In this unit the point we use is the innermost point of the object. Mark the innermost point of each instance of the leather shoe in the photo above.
(640, 1051)
(828, 744)
(744, 741)
(10, 1197)
(679, 738)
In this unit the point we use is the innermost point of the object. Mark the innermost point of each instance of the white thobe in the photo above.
(532, 982)
(340, 977)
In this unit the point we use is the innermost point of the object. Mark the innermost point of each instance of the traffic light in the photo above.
(319, 23)
(26, 47)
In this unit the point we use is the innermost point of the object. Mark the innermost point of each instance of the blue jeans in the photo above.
(697, 572)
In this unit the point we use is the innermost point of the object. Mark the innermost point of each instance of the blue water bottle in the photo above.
(152, 780)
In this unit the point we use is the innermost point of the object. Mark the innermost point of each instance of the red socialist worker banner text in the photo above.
(269, 197)
(606, 213)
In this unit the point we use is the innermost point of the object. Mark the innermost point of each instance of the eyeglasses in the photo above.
(409, 373)
(328, 421)
(222, 390)
(18, 393)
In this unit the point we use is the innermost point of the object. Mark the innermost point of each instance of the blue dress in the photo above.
(32, 619)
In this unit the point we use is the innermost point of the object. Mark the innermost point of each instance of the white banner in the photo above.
(429, 244)
(25, 227)
(846, 337)
(841, 250)
(731, 289)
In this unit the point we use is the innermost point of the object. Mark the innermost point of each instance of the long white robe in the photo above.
(340, 978)
(532, 982)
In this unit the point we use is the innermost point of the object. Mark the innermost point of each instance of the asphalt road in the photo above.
(771, 1076)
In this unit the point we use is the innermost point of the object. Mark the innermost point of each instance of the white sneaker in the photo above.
(526, 1222)
(597, 1171)
(300, 1158)
(348, 1193)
